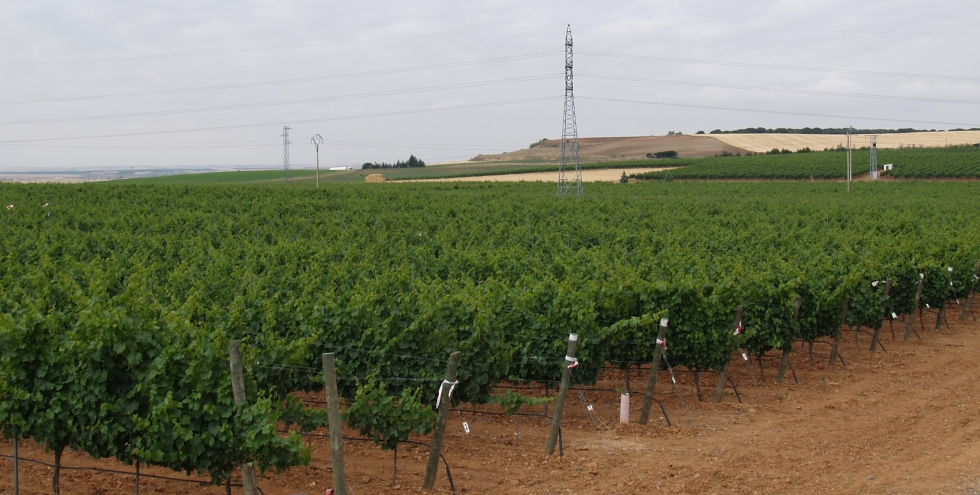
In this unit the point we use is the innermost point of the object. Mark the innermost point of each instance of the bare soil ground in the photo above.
(758, 143)
(902, 421)
(621, 148)
(603, 175)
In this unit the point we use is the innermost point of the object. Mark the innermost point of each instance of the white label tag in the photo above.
(927, 305)
(894, 316)
(589, 408)
(745, 356)
(663, 322)
(466, 427)
(673, 380)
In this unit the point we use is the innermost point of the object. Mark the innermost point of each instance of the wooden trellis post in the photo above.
(723, 376)
(652, 381)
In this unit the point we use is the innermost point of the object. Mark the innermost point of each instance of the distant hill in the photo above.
(826, 130)
(758, 143)
(601, 149)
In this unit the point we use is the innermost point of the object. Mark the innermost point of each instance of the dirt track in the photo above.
(902, 421)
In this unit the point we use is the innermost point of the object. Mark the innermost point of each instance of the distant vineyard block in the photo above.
(375, 178)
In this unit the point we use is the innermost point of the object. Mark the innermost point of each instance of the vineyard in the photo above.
(925, 163)
(118, 303)
(955, 161)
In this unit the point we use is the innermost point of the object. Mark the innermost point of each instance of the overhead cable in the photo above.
(282, 102)
(288, 122)
(782, 90)
(778, 67)
(286, 81)
(267, 48)
(776, 112)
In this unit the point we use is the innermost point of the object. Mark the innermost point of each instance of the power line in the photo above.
(776, 112)
(782, 90)
(242, 50)
(776, 30)
(270, 143)
(227, 146)
(306, 121)
(285, 81)
(779, 67)
(278, 103)
(470, 33)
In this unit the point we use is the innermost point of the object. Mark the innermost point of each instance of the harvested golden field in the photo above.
(604, 175)
(621, 148)
(758, 143)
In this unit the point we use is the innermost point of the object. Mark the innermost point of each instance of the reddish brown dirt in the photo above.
(901, 421)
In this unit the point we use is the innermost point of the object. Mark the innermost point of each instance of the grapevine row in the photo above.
(117, 302)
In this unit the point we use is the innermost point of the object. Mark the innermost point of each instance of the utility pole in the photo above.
(238, 393)
(334, 424)
(874, 156)
(317, 141)
(285, 151)
(569, 130)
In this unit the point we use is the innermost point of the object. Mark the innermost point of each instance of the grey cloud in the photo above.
(55, 49)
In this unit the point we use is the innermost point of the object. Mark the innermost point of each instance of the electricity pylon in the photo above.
(569, 131)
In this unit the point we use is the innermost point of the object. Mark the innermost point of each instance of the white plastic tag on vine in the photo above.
(466, 427)
(949, 269)
(922, 275)
(927, 305)
(894, 316)
(745, 356)
(589, 408)
(663, 322)
(673, 380)
(874, 284)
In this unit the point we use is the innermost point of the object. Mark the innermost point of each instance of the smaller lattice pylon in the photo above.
(285, 152)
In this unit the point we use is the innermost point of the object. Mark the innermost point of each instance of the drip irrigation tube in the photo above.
(449, 474)
(116, 471)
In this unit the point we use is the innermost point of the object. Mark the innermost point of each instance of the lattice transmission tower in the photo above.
(874, 156)
(285, 151)
(569, 131)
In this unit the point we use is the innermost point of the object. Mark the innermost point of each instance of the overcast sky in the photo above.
(180, 83)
